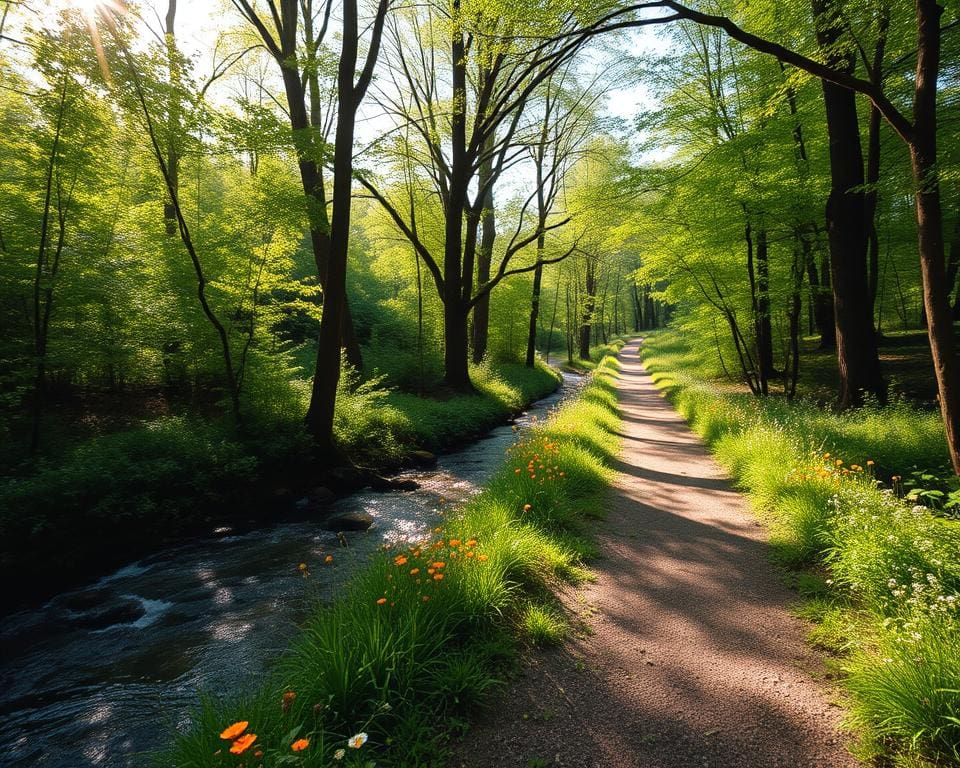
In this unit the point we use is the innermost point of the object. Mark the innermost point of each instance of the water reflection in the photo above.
(90, 678)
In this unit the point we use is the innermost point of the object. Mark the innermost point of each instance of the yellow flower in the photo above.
(527, 507)
(482, 558)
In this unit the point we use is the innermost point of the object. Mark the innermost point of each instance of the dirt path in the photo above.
(689, 656)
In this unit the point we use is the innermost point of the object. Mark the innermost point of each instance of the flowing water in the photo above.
(100, 675)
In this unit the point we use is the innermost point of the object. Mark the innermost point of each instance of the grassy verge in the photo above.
(881, 575)
(422, 633)
(119, 496)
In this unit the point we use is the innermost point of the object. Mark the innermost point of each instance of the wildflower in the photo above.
(355, 742)
(242, 744)
(870, 462)
(258, 754)
(300, 744)
(454, 542)
(472, 543)
(437, 576)
(426, 598)
(516, 471)
(527, 507)
(439, 564)
(328, 559)
(414, 571)
(469, 554)
(381, 601)
(338, 755)
(287, 702)
(400, 560)
(826, 455)
(302, 567)
(234, 730)
(838, 462)
(482, 558)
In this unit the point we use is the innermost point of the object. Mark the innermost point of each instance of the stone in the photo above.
(348, 521)
(423, 459)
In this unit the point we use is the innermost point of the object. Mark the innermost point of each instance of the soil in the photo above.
(685, 652)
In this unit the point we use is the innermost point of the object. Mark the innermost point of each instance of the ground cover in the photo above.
(117, 496)
(424, 632)
(880, 572)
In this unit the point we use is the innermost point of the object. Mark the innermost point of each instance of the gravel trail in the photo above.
(686, 655)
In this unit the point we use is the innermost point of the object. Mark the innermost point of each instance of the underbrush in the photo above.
(422, 634)
(829, 485)
(147, 485)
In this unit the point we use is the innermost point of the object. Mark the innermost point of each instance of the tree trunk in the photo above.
(535, 306)
(764, 326)
(923, 158)
(857, 356)
(488, 235)
(591, 290)
(873, 160)
(173, 117)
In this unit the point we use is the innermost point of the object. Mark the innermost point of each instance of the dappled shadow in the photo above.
(695, 660)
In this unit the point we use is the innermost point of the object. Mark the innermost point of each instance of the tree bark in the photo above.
(857, 356)
(488, 235)
(923, 158)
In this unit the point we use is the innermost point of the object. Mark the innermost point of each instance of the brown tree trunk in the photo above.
(173, 117)
(535, 306)
(923, 158)
(488, 235)
(857, 356)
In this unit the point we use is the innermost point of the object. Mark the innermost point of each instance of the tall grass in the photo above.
(821, 480)
(418, 640)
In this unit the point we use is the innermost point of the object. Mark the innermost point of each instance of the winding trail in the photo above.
(687, 655)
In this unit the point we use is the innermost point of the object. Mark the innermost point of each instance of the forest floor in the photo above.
(685, 653)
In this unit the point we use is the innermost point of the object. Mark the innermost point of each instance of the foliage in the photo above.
(417, 640)
(890, 605)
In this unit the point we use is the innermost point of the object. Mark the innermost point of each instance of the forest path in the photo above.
(687, 655)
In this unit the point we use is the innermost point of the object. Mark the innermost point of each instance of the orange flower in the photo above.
(328, 559)
(439, 564)
(426, 598)
(454, 542)
(234, 730)
(472, 543)
(516, 471)
(381, 601)
(482, 558)
(242, 744)
(300, 744)
(414, 571)
(870, 462)
(527, 507)
(430, 571)
(469, 554)
(400, 560)
(438, 577)
(288, 697)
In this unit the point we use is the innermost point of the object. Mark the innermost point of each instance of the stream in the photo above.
(102, 674)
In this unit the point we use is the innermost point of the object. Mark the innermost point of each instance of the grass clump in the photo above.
(884, 579)
(543, 625)
(421, 636)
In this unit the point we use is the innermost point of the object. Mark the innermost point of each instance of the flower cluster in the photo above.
(425, 565)
(541, 455)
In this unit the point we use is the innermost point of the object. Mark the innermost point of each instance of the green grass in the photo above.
(420, 637)
(174, 476)
(883, 578)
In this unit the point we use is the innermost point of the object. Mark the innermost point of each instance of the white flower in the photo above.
(338, 755)
(355, 742)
